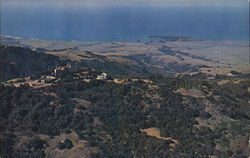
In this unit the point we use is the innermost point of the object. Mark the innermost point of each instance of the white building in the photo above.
(103, 76)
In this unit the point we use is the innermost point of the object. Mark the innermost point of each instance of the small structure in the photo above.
(103, 76)
(83, 73)
(86, 80)
(62, 69)
(50, 77)
(47, 79)
(42, 81)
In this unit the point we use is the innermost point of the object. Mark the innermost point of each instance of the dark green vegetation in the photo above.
(21, 62)
(212, 124)
(18, 62)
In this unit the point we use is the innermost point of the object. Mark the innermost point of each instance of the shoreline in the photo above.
(146, 39)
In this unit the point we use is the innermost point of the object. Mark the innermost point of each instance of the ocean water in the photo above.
(124, 23)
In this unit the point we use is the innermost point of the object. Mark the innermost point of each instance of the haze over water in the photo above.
(124, 23)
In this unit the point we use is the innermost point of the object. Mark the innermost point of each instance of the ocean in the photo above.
(81, 23)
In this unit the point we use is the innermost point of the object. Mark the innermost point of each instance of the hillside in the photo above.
(70, 103)
(17, 62)
(165, 55)
(21, 62)
(188, 116)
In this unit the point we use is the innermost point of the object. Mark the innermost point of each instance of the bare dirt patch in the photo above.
(155, 132)
(191, 92)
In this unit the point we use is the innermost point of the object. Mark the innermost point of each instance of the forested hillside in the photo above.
(21, 62)
(152, 116)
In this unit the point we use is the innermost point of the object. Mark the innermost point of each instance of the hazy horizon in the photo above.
(108, 20)
(160, 3)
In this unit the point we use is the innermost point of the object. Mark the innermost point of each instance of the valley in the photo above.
(156, 55)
